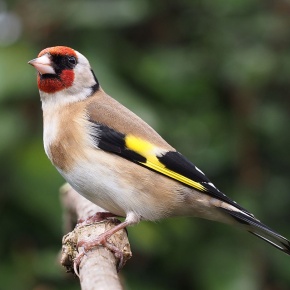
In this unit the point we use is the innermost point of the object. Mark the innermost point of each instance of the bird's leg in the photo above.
(103, 240)
(97, 217)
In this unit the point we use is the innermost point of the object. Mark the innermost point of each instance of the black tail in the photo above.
(260, 230)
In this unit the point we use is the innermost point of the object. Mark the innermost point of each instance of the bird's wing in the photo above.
(169, 163)
(131, 138)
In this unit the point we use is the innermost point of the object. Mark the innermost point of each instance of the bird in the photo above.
(116, 160)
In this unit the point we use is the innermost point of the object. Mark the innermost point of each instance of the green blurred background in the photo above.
(211, 76)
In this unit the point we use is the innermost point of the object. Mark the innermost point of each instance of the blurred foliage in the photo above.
(211, 76)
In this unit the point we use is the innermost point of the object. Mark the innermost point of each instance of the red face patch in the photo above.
(52, 85)
(58, 50)
(66, 77)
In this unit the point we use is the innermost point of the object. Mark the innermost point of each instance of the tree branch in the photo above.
(97, 269)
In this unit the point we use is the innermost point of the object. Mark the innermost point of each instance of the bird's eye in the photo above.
(72, 60)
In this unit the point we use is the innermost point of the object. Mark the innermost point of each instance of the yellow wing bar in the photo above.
(146, 149)
(162, 169)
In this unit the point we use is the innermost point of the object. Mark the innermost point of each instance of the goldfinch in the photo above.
(117, 161)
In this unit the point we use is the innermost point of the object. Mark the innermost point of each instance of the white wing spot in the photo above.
(211, 184)
(199, 170)
(159, 152)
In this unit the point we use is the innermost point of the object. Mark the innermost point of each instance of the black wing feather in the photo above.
(260, 230)
(112, 141)
(175, 161)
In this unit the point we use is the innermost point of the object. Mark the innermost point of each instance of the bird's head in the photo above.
(63, 70)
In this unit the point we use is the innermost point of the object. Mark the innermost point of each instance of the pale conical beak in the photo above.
(43, 65)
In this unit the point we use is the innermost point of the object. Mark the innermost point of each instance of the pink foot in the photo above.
(97, 217)
(101, 240)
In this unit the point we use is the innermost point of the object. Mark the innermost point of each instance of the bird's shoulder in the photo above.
(108, 112)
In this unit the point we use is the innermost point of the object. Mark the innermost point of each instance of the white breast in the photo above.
(97, 182)
(103, 181)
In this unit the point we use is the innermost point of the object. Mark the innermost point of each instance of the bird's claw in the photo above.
(77, 261)
(117, 252)
(100, 241)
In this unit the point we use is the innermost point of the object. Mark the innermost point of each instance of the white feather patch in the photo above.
(50, 131)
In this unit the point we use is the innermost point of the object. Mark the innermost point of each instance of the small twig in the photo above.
(97, 269)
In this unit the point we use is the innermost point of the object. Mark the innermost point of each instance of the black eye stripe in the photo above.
(63, 62)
